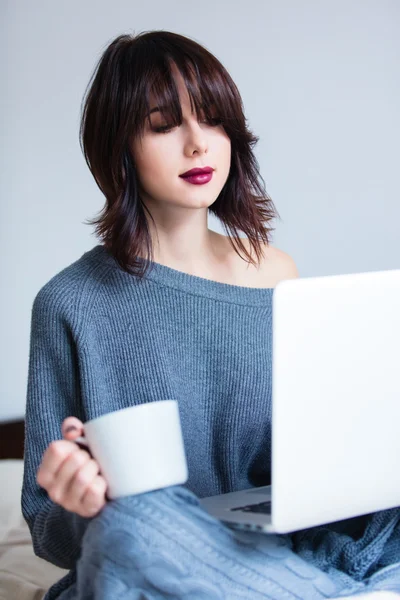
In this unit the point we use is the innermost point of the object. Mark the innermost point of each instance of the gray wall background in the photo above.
(320, 82)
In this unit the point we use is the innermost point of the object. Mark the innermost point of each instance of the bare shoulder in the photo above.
(277, 265)
(284, 264)
(273, 268)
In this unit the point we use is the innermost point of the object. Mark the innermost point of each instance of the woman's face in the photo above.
(161, 158)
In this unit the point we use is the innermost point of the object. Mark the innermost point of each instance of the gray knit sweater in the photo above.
(102, 340)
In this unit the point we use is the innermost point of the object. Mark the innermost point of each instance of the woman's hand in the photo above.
(70, 475)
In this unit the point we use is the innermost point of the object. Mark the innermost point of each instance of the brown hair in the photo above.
(115, 109)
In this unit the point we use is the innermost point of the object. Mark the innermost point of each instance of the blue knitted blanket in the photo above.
(356, 550)
(163, 545)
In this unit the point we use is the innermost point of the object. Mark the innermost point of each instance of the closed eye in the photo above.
(166, 128)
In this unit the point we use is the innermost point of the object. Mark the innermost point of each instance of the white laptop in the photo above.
(335, 406)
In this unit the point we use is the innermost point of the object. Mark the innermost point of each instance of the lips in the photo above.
(197, 171)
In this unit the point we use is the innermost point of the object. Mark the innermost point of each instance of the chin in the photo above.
(203, 203)
(194, 202)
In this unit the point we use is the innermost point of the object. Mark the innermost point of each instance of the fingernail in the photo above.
(70, 428)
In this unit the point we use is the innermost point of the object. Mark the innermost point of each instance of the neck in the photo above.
(182, 240)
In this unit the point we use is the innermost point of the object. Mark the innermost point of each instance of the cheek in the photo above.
(153, 163)
(225, 153)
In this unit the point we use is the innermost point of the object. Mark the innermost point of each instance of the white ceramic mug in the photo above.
(139, 448)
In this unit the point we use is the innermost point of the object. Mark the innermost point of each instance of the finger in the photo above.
(94, 498)
(71, 428)
(56, 453)
(62, 480)
(82, 479)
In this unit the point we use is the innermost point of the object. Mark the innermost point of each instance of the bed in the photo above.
(24, 576)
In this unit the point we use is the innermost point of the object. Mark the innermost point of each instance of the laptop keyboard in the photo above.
(261, 507)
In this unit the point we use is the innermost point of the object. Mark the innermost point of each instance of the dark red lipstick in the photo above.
(198, 175)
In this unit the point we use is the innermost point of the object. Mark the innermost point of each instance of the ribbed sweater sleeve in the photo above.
(53, 393)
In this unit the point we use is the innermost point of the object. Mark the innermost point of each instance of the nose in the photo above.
(196, 139)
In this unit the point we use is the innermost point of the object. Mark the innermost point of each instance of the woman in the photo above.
(163, 308)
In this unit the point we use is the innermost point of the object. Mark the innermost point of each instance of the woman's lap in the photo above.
(164, 545)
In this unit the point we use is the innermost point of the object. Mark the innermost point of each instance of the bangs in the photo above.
(207, 88)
